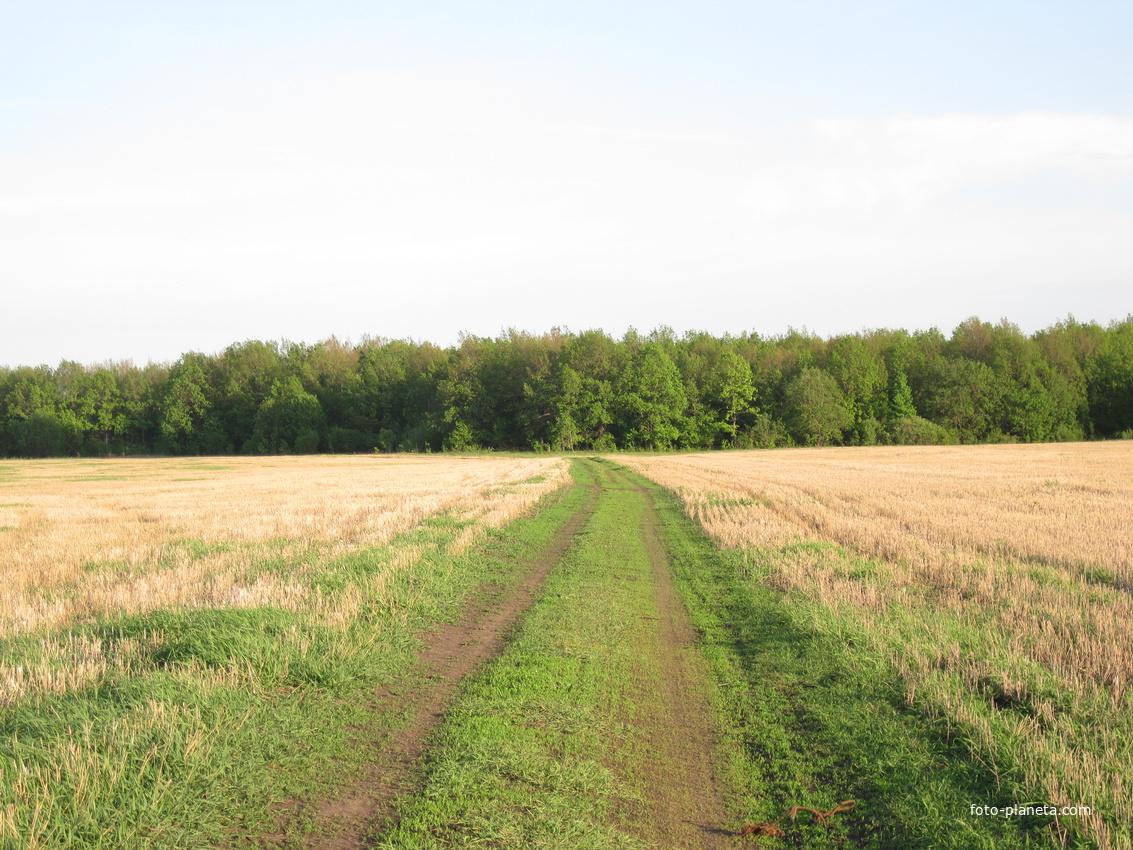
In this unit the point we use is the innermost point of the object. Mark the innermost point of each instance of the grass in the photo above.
(546, 747)
(529, 754)
(179, 726)
(198, 719)
(1016, 649)
(814, 720)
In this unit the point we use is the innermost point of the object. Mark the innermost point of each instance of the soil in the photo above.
(683, 806)
(452, 652)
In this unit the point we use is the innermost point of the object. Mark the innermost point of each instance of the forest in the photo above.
(563, 391)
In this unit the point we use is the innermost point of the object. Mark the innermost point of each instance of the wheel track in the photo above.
(683, 804)
(369, 805)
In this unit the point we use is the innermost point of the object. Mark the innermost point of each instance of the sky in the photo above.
(180, 175)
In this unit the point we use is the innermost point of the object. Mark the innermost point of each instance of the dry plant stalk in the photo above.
(82, 539)
(1002, 567)
(771, 829)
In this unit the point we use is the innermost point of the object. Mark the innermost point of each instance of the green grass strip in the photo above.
(223, 712)
(538, 749)
(812, 721)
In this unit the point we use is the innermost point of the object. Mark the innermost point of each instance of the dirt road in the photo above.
(663, 759)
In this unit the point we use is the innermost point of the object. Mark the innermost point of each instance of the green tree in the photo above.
(652, 399)
(100, 407)
(290, 419)
(30, 390)
(184, 406)
(139, 393)
(915, 431)
(566, 404)
(816, 410)
(863, 377)
(901, 404)
(734, 391)
(1110, 380)
(48, 433)
(589, 366)
(468, 407)
(243, 376)
(962, 395)
(329, 371)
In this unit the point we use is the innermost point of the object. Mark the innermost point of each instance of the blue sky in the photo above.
(178, 176)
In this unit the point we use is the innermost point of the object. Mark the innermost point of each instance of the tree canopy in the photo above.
(564, 391)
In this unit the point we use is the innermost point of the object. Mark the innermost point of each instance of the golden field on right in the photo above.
(996, 580)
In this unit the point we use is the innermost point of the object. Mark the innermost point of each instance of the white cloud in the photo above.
(906, 163)
(424, 204)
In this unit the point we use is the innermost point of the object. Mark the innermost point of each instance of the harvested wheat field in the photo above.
(150, 609)
(85, 538)
(995, 580)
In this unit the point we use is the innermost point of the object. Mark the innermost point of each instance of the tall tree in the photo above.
(185, 405)
(734, 393)
(816, 410)
(244, 375)
(652, 399)
(290, 419)
(863, 378)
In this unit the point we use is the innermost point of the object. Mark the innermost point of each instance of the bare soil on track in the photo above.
(450, 654)
(681, 802)
(684, 802)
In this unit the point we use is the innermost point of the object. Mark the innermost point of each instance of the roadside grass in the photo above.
(191, 723)
(540, 749)
(815, 717)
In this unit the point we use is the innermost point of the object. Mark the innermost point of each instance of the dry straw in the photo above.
(993, 577)
(83, 539)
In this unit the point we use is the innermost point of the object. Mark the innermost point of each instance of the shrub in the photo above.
(917, 431)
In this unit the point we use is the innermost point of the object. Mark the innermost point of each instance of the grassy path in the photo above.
(592, 728)
(422, 696)
(659, 695)
(683, 805)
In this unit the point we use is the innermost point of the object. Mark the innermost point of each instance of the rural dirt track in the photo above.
(684, 807)
(681, 806)
(450, 654)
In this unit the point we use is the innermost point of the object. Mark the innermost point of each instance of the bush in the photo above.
(386, 441)
(605, 443)
(347, 440)
(1069, 434)
(867, 432)
(916, 431)
(415, 439)
(766, 433)
(461, 439)
(46, 434)
(307, 442)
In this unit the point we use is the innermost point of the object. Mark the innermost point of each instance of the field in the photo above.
(145, 603)
(636, 651)
(84, 539)
(994, 581)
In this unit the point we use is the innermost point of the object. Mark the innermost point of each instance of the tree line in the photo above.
(587, 391)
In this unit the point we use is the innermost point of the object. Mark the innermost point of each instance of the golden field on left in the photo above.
(84, 539)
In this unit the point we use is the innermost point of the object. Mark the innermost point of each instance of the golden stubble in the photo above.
(981, 571)
(82, 539)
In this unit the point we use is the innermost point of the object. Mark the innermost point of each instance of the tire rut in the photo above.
(684, 804)
(349, 821)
